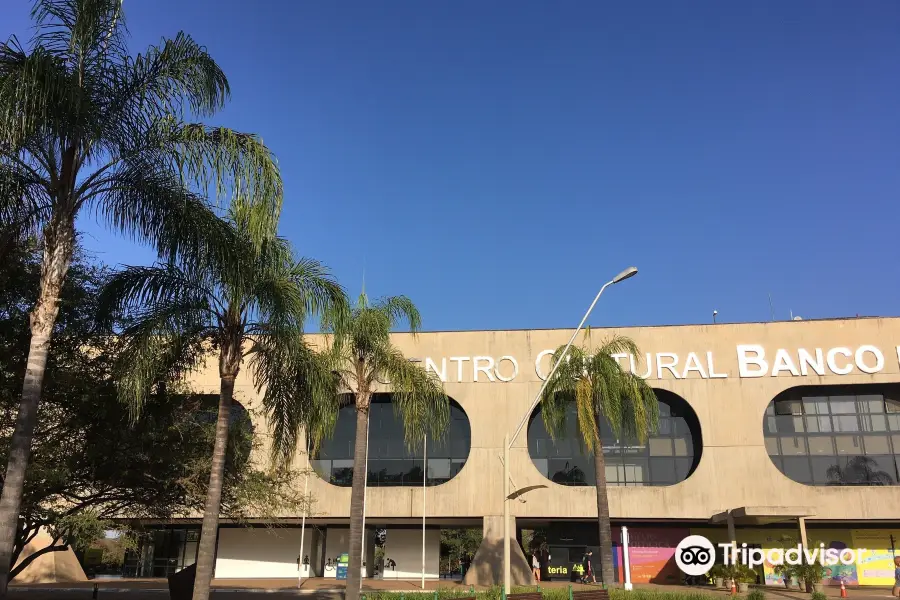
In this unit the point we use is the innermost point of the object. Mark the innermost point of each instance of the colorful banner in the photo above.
(651, 554)
(877, 565)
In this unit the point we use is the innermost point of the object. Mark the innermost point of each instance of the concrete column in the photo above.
(732, 534)
(487, 566)
(369, 554)
(315, 550)
(801, 523)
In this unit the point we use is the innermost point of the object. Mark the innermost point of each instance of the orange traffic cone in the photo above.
(843, 589)
(733, 587)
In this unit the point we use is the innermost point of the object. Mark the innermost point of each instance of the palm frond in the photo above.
(36, 91)
(399, 310)
(160, 343)
(417, 396)
(300, 390)
(150, 205)
(165, 80)
(232, 164)
(157, 287)
(600, 389)
(85, 33)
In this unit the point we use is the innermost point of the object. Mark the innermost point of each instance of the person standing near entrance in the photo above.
(896, 591)
(587, 573)
(536, 566)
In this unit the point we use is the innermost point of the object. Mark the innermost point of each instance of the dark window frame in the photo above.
(390, 449)
(829, 406)
(623, 459)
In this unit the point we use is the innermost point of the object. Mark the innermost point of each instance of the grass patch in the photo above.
(555, 593)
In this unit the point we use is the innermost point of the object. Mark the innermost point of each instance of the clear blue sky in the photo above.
(497, 161)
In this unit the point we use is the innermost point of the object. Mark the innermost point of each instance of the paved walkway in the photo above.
(330, 589)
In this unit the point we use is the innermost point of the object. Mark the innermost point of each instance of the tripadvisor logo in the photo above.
(695, 555)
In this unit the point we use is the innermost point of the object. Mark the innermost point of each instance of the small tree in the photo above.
(362, 355)
(594, 382)
(255, 308)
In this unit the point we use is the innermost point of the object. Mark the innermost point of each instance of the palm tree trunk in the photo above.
(59, 246)
(357, 498)
(606, 552)
(206, 548)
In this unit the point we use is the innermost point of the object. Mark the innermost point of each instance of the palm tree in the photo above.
(362, 355)
(255, 310)
(859, 470)
(594, 382)
(84, 126)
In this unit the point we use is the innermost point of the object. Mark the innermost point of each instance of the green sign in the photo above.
(344, 559)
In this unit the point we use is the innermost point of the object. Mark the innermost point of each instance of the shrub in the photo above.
(756, 595)
(819, 596)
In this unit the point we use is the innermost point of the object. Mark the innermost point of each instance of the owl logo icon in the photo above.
(695, 555)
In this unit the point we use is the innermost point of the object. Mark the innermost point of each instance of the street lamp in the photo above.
(508, 442)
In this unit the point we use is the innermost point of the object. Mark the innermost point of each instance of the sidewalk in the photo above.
(235, 589)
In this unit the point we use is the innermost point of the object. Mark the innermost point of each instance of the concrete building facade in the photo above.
(771, 429)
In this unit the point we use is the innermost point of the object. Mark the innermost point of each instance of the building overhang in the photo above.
(763, 515)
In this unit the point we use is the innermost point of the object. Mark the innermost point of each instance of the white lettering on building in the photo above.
(752, 361)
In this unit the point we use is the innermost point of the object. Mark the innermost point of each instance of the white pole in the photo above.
(305, 509)
(365, 490)
(507, 442)
(626, 560)
(506, 550)
(424, 480)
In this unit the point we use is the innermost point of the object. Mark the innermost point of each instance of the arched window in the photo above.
(836, 435)
(669, 456)
(390, 462)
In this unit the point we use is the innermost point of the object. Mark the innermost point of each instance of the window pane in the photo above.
(789, 424)
(797, 468)
(788, 407)
(848, 444)
(662, 470)
(825, 469)
(322, 468)
(636, 471)
(867, 470)
(818, 424)
(872, 403)
(684, 447)
(680, 427)
(843, 405)
(793, 445)
(541, 464)
(821, 445)
(846, 424)
(665, 427)
(895, 440)
(873, 423)
(615, 474)
(439, 468)
(660, 447)
(877, 444)
(891, 405)
(815, 405)
(771, 445)
(683, 467)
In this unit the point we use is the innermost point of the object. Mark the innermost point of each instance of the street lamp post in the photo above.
(509, 441)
